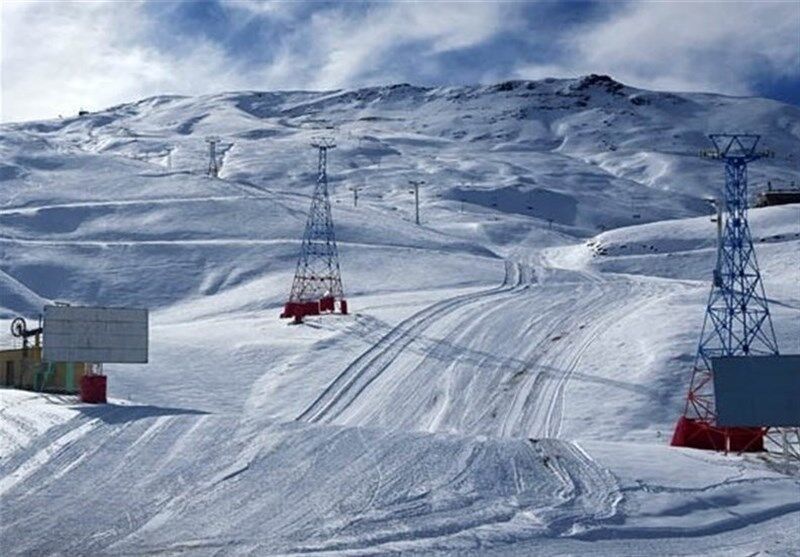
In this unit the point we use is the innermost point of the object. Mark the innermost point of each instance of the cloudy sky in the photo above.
(60, 56)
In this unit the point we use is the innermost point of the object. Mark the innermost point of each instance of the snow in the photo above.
(506, 383)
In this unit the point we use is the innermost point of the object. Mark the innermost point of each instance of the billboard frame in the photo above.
(757, 391)
(95, 334)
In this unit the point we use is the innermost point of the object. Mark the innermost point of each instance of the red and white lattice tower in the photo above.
(317, 285)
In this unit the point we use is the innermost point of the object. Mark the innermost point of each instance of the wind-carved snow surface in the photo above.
(511, 371)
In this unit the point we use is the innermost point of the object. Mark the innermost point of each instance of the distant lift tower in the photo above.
(416, 184)
(317, 285)
(213, 162)
(737, 321)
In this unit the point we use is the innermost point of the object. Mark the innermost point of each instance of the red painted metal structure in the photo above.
(93, 389)
(298, 310)
(699, 434)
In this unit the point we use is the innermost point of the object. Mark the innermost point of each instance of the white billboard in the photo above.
(95, 334)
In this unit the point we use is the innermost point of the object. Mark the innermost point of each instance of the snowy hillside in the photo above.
(510, 374)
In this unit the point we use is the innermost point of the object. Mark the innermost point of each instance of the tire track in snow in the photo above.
(49, 452)
(53, 445)
(527, 396)
(369, 365)
(590, 493)
(443, 350)
(417, 395)
(538, 406)
(488, 365)
(97, 456)
(555, 412)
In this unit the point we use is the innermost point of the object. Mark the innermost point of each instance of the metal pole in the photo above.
(416, 184)
(720, 218)
(785, 443)
(213, 158)
(416, 201)
(717, 203)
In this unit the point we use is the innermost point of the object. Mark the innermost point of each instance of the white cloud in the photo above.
(58, 57)
(714, 46)
(282, 10)
(336, 50)
(61, 56)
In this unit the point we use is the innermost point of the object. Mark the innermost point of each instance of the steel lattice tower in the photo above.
(213, 163)
(317, 281)
(737, 320)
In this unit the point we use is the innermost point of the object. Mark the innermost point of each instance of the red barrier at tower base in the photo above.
(326, 304)
(290, 310)
(298, 310)
(93, 389)
(696, 434)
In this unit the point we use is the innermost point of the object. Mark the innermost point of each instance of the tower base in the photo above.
(697, 434)
(298, 310)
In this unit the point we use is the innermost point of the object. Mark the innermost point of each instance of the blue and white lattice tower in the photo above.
(317, 285)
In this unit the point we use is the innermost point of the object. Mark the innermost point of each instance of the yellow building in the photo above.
(23, 368)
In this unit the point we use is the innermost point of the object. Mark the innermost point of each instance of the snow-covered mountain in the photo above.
(554, 290)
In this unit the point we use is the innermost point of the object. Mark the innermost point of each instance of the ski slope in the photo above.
(510, 374)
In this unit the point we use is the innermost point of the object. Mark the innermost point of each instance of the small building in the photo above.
(23, 368)
(777, 197)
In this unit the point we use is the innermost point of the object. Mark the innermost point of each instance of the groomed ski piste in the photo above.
(511, 371)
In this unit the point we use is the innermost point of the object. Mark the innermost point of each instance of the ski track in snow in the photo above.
(545, 355)
(369, 365)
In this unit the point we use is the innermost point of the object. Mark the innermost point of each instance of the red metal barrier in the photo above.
(289, 310)
(93, 389)
(298, 310)
(326, 304)
(696, 434)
